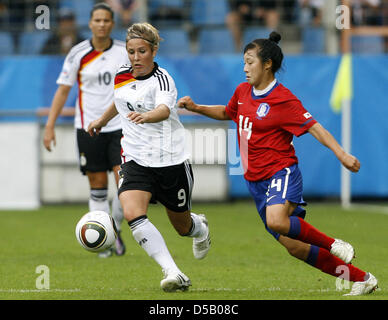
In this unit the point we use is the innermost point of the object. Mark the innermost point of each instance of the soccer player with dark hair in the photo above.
(268, 115)
(93, 64)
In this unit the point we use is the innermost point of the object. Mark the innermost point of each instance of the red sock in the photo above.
(303, 231)
(323, 260)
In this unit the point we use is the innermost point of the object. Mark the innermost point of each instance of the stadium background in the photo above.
(199, 53)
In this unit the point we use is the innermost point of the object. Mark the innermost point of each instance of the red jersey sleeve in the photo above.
(297, 120)
(232, 106)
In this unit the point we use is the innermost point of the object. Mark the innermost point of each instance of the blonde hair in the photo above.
(144, 31)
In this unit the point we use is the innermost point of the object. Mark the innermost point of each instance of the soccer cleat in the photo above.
(342, 250)
(202, 246)
(119, 245)
(174, 281)
(363, 287)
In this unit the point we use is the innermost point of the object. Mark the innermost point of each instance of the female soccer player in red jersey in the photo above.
(268, 115)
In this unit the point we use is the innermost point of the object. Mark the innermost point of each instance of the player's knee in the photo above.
(131, 214)
(277, 224)
(97, 180)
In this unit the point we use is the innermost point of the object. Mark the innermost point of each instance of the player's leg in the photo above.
(92, 165)
(284, 194)
(174, 189)
(135, 204)
(98, 199)
(135, 193)
(280, 220)
(113, 154)
(117, 210)
(196, 226)
(117, 215)
(323, 260)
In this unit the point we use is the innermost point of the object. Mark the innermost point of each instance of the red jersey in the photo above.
(266, 126)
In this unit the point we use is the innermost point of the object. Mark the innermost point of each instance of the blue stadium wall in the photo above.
(28, 82)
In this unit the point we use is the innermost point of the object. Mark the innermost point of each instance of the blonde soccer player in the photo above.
(155, 162)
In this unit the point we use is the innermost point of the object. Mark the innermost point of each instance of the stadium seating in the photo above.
(175, 41)
(119, 34)
(33, 42)
(252, 33)
(6, 44)
(313, 40)
(369, 44)
(167, 13)
(155, 4)
(81, 9)
(205, 12)
(214, 41)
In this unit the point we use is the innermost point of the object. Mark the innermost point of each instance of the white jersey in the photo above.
(94, 71)
(158, 144)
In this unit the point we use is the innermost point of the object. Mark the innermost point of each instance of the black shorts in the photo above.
(99, 153)
(171, 186)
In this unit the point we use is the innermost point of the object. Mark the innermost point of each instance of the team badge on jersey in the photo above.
(262, 110)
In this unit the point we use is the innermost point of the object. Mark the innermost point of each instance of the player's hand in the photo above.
(49, 137)
(94, 127)
(186, 103)
(350, 162)
(137, 117)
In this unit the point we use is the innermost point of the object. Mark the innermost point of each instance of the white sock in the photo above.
(150, 239)
(117, 212)
(198, 229)
(98, 200)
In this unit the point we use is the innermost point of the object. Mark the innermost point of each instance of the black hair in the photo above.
(104, 6)
(268, 49)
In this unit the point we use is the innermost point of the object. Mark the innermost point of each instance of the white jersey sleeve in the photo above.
(166, 92)
(68, 75)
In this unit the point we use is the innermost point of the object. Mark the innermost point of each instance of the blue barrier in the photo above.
(27, 83)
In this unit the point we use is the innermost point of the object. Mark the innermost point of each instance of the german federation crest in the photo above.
(262, 110)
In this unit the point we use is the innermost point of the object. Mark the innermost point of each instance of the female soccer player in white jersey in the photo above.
(268, 115)
(155, 165)
(93, 64)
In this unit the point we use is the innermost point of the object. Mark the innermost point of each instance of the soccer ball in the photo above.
(96, 231)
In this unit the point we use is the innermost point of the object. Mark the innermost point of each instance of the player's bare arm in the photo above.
(215, 111)
(160, 113)
(57, 104)
(96, 125)
(349, 161)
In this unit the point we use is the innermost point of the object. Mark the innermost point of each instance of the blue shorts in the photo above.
(286, 184)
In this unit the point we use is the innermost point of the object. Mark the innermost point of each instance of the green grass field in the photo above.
(245, 262)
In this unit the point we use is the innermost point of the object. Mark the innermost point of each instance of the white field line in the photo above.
(37, 290)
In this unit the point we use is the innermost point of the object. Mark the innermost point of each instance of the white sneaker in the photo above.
(363, 287)
(342, 250)
(175, 281)
(201, 246)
